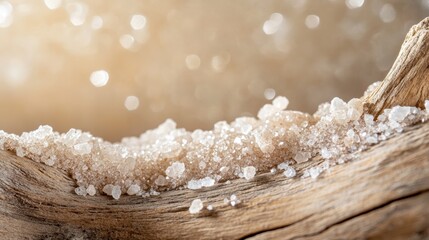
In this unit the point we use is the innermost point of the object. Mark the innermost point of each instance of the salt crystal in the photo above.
(161, 181)
(175, 170)
(234, 200)
(80, 191)
(283, 166)
(314, 172)
(369, 119)
(91, 190)
(326, 154)
(281, 102)
(338, 109)
(83, 148)
(116, 192)
(237, 141)
(371, 140)
(210, 207)
(266, 111)
(196, 206)
(194, 184)
(204, 182)
(249, 172)
(302, 157)
(20, 152)
(289, 172)
(427, 105)
(108, 189)
(133, 189)
(399, 113)
(207, 182)
(51, 161)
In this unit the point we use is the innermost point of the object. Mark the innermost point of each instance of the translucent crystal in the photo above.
(427, 105)
(399, 113)
(133, 189)
(196, 206)
(249, 172)
(161, 181)
(326, 154)
(91, 190)
(281, 102)
(289, 172)
(302, 157)
(80, 191)
(108, 189)
(116, 192)
(169, 158)
(175, 170)
(210, 207)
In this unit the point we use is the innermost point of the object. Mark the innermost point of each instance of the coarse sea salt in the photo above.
(168, 157)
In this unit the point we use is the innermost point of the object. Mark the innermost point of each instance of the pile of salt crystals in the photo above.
(172, 158)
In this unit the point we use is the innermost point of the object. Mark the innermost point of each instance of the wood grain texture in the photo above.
(407, 82)
(384, 194)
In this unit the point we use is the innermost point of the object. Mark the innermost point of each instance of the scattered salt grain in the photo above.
(196, 206)
(210, 207)
(234, 200)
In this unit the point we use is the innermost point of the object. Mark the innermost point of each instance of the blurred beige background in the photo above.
(117, 68)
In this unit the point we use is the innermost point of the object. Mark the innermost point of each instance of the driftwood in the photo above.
(382, 194)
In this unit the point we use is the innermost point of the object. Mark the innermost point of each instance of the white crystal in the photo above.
(83, 148)
(314, 172)
(234, 200)
(249, 172)
(371, 140)
(176, 170)
(281, 102)
(207, 182)
(80, 191)
(108, 189)
(196, 206)
(133, 189)
(289, 172)
(283, 166)
(116, 192)
(338, 110)
(266, 111)
(210, 207)
(204, 182)
(399, 113)
(427, 105)
(326, 154)
(91, 190)
(161, 181)
(369, 119)
(301, 157)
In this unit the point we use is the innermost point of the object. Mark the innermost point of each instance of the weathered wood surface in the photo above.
(382, 194)
(407, 82)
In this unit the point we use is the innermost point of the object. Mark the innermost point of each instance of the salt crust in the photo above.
(169, 157)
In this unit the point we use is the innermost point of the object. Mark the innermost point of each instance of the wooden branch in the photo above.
(407, 82)
(382, 194)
